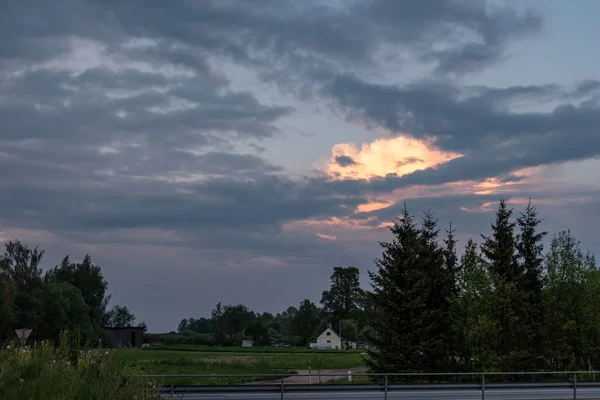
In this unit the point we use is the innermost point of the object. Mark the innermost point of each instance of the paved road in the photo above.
(491, 394)
(303, 378)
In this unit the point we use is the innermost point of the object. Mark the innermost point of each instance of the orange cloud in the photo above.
(400, 155)
(373, 206)
(326, 237)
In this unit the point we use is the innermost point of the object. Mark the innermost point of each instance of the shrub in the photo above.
(45, 372)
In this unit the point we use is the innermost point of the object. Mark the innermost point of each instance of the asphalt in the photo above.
(443, 394)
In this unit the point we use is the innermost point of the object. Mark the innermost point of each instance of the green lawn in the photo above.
(196, 360)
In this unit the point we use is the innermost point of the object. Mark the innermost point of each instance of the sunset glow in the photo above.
(400, 155)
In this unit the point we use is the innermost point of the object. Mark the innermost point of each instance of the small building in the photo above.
(329, 339)
(130, 336)
(247, 343)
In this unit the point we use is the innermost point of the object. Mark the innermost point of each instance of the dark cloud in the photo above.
(408, 161)
(344, 161)
(478, 123)
(122, 132)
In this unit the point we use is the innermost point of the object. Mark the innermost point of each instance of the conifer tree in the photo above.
(451, 267)
(530, 257)
(410, 318)
(499, 251)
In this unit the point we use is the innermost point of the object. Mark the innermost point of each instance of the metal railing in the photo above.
(480, 382)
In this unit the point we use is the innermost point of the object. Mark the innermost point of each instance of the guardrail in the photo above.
(276, 382)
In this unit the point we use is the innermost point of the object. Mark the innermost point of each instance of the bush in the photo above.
(45, 372)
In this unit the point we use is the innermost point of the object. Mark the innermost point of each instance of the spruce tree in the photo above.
(531, 258)
(410, 318)
(452, 267)
(499, 251)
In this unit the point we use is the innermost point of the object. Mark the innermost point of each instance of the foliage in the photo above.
(505, 305)
(410, 300)
(344, 298)
(45, 372)
(119, 317)
(88, 279)
(70, 296)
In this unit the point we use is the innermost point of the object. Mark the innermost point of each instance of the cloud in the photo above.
(399, 156)
(151, 137)
(344, 161)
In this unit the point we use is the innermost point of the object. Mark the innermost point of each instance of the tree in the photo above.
(201, 325)
(7, 302)
(570, 287)
(452, 269)
(470, 311)
(258, 332)
(21, 265)
(409, 317)
(530, 255)
(64, 309)
(306, 320)
(183, 325)
(231, 321)
(343, 299)
(86, 277)
(499, 249)
(120, 317)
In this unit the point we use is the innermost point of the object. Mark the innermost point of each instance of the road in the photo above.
(442, 394)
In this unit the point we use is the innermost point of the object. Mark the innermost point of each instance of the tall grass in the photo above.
(46, 372)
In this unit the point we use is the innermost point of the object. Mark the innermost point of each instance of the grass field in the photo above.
(199, 360)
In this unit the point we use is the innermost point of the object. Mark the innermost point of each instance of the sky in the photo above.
(237, 150)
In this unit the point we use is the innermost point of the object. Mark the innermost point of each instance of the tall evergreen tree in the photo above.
(452, 267)
(409, 317)
(499, 251)
(530, 257)
(499, 248)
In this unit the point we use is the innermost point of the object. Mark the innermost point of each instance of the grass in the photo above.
(217, 349)
(198, 360)
(44, 372)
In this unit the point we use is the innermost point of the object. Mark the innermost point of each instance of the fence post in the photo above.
(385, 388)
(282, 388)
(482, 386)
(575, 386)
(349, 376)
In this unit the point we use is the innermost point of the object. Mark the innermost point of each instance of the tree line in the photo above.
(506, 303)
(72, 296)
(341, 306)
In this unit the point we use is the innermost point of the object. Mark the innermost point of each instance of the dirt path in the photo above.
(314, 378)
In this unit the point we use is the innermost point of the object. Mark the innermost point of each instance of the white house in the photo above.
(330, 339)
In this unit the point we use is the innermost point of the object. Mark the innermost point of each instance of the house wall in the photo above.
(329, 337)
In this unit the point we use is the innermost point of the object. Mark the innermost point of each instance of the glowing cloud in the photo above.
(326, 237)
(400, 155)
(373, 206)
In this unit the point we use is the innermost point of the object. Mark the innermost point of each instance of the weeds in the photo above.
(46, 372)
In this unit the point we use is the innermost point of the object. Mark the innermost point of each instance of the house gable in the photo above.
(328, 334)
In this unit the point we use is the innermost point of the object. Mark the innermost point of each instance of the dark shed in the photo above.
(130, 336)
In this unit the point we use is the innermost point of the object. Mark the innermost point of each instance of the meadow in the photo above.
(204, 360)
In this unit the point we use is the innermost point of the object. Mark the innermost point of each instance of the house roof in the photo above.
(334, 332)
(349, 339)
